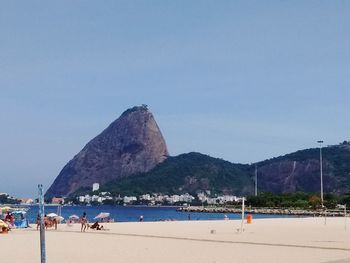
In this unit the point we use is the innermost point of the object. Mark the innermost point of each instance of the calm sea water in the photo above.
(132, 213)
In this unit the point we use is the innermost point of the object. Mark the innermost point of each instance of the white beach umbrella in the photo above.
(52, 215)
(59, 218)
(102, 215)
(73, 217)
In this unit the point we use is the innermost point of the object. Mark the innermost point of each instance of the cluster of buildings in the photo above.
(100, 198)
(166, 199)
(150, 199)
(155, 198)
(143, 199)
(221, 199)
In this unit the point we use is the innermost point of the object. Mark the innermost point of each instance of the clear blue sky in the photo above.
(239, 80)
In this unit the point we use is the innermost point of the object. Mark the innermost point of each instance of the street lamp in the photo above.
(256, 180)
(321, 172)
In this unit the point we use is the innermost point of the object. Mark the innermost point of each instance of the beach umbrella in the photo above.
(102, 215)
(19, 212)
(59, 218)
(73, 217)
(52, 215)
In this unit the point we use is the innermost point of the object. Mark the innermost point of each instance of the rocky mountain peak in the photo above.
(131, 144)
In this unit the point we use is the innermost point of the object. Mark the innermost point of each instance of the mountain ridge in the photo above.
(131, 155)
(294, 172)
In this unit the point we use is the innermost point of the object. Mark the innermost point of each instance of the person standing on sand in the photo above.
(7, 218)
(83, 221)
(38, 221)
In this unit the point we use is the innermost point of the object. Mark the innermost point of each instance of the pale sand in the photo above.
(265, 240)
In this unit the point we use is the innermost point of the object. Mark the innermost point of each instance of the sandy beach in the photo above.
(265, 240)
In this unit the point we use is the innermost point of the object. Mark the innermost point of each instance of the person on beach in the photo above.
(96, 226)
(38, 221)
(46, 221)
(8, 217)
(83, 221)
(50, 222)
(141, 218)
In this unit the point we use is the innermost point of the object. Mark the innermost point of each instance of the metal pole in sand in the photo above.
(321, 179)
(345, 217)
(243, 199)
(42, 224)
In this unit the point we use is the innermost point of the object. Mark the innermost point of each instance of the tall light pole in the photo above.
(42, 224)
(321, 172)
(256, 180)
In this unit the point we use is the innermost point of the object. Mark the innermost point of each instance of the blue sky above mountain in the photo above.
(240, 80)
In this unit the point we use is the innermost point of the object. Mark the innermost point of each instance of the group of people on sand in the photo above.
(85, 224)
(9, 219)
(48, 222)
(52, 222)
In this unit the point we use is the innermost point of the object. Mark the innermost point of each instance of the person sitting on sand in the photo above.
(96, 226)
(84, 222)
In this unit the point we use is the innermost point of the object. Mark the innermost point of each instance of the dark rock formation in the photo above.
(131, 144)
(300, 171)
(290, 176)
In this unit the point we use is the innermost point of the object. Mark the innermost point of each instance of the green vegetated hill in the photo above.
(193, 172)
(188, 173)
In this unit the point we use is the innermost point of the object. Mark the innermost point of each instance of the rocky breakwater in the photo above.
(132, 144)
(266, 211)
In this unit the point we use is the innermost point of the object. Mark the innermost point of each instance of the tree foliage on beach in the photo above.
(294, 200)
